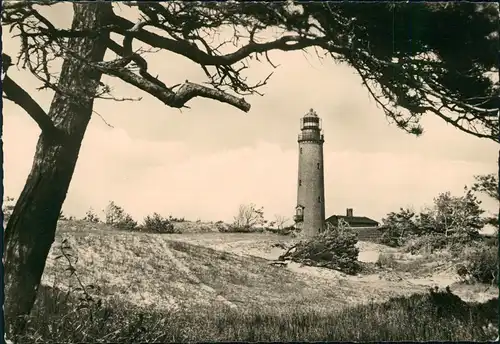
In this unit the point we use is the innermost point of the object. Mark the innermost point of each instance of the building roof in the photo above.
(352, 220)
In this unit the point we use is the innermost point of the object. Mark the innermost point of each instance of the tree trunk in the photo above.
(31, 229)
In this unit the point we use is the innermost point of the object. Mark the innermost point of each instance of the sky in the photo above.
(203, 162)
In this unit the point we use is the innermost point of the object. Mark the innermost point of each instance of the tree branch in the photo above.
(18, 95)
(191, 51)
(173, 99)
(13, 5)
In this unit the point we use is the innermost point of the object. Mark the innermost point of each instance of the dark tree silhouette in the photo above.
(414, 59)
(487, 184)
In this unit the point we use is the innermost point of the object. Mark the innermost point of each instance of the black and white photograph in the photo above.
(250, 171)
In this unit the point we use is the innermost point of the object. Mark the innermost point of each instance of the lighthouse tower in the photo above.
(310, 210)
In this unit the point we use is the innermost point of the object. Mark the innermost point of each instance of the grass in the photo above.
(414, 318)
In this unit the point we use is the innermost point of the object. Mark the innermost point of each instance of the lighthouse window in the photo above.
(300, 150)
(300, 182)
(318, 165)
(319, 199)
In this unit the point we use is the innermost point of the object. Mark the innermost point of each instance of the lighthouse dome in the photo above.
(310, 114)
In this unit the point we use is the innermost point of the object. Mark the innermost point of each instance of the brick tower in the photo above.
(310, 210)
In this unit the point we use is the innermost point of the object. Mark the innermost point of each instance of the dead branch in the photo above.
(287, 254)
(15, 93)
(177, 99)
(154, 86)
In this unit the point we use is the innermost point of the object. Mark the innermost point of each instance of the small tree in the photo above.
(398, 226)
(249, 216)
(117, 217)
(280, 221)
(457, 215)
(91, 216)
(158, 224)
(488, 184)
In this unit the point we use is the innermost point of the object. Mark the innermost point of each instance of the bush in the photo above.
(239, 229)
(386, 260)
(289, 230)
(158, 224)
(128, 224)
(491, 241)
(118, 218)
(335, 248)
(427, 243)
(397, 227)
(482, 264)
(91, 216)
(454, 217)
(235, 228)
(390, 238)
(176, 219)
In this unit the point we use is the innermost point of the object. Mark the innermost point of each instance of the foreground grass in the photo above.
(414, 318)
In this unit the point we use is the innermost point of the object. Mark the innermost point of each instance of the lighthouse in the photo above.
(310, 211)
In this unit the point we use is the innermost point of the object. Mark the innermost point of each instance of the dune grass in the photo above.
(56, 319)
(137, 269)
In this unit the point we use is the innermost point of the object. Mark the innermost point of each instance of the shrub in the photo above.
(491, 241)
(456, 217)
(427, 243)
(118, 218)
(158, 224)
(238, 229)
(335, 248)
(390, 238)
(386, 260)
(289, 230)
(398, 226)
(176, 219)
(482, 264)
(235, 228)
(91, 216)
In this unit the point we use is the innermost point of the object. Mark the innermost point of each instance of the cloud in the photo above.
(145, 176)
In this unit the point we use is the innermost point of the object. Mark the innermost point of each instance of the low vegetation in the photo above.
(118, 218)
(451, 218)
(451, 224)
(158, 224)
(335, 248)
(59, 317)
(482, 264)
